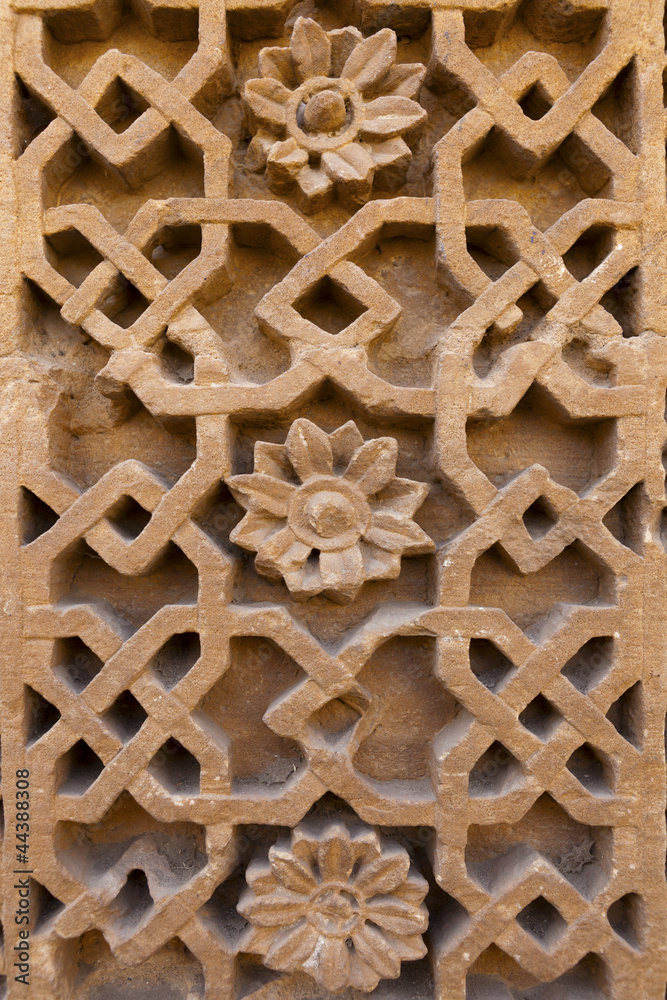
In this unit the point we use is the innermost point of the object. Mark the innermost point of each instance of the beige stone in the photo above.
(333, 499)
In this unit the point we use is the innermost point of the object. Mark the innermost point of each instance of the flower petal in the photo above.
(309, 449)
(261, 494)
(392, 160)
(398, 534)
(335, 856)
(380, 564)
(373, 947)
(311, 50)
(409, 947)
(258, 150)
(265, 100)
(344, 442)
(260, 878)
(405, 80)
(271, 459)
(383, 874)
(254, 529)
(403, 496)
(329, 964)
(362, 977)
(292, 947)
(305, 843)
(283, 163)
(305, 582)
(275, 909)
(396, 916)
(281, 553)
(369, 61)
(342, 573)
(343, 40)
(293, 874)
(276, 62)
(413, 890)
(316, 189)
(373, 465)
(388, 117)
(352, 165)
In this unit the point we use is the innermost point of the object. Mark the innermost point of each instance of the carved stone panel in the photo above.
(334, 530)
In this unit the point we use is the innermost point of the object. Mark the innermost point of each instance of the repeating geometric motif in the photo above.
(538, 818)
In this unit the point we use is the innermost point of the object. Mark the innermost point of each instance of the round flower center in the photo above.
(334, 912)
(329, 514)
(324, 112)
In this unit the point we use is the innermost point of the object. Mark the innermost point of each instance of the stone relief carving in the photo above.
(333, 113)
(339, 903)
(348, 519)
(334, 525)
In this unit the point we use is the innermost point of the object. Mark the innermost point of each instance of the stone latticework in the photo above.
(334, 382)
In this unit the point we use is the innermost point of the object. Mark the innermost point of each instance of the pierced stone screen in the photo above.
(332, 430)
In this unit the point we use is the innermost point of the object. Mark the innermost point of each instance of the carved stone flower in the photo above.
(326, 511)
(333, 111)
(338, 903)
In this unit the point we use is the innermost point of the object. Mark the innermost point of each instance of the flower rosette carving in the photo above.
(333, 112)
(326, 512)
(338, 902)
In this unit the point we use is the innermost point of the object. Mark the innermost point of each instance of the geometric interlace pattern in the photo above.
(333, 424)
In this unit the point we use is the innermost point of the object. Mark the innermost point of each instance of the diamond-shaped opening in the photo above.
(329, 306)
(626, 918)
(220, 914)
(615, 107)
(125, 717)
(173, 248)
(590, 663)
(122, 302)
(175, 658)
(335, 718)
(179, 365)
(45, 906)
(72, 255)
(129, 517)
(539, 518)
(627, 518)
(120, 105)
(592, 769)
(497, 772)
(40, 715)
(33, 116)
(489, 664)
(627, 715)
(489, 248)
(542, 921)
(621, 302)
(132, 902)
(78, 769)
(35, 516)
(589, 250)
(176, 768)
(75, 662)
(535, 103)
(541, 718)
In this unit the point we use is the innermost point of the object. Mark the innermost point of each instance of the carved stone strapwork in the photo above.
(333, 111)
(333, 368)
(338, 902)
(326, 512)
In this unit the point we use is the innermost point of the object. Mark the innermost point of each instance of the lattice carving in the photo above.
(334, 387)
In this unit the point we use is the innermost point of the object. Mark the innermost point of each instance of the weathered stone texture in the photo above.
(333, 404)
